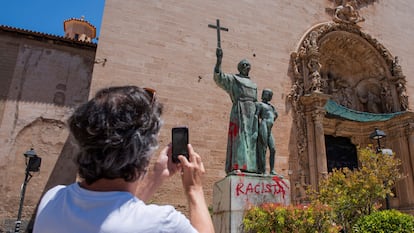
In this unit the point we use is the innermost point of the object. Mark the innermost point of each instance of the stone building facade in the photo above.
(354, 54)
(334, 66)
(42, 78)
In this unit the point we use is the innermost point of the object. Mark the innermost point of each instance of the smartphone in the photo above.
(179, 143)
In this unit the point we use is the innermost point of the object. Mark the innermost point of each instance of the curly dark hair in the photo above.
(117, 133)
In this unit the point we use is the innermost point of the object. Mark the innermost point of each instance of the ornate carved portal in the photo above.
(338, 63)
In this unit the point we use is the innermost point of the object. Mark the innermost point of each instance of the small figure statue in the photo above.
(402, 96)
(267, 115)
(347, 12)
(316, 83)
(386, 98)
(243, 126)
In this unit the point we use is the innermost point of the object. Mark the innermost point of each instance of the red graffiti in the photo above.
(260, 188)
(278, 181)
(233, 129)
(279, 186)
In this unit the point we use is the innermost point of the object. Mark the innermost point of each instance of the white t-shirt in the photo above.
(72, 209)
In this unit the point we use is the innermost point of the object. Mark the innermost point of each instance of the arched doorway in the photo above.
(340, 152)
(344, 85)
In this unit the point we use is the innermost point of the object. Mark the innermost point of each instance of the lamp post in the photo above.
(32, 165)
(378, 135)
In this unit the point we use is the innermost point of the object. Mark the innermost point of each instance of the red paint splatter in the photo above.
(279, 183)
(233, 129)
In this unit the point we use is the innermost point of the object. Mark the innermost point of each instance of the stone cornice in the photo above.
(38, 36)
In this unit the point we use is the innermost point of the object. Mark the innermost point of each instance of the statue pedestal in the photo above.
(235, 193)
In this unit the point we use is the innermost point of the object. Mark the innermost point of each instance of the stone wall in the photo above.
(168, 46)
(42, 79)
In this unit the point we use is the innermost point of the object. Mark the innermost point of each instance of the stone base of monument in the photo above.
(235, 193)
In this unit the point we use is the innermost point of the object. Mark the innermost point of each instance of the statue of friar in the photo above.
(243, 126)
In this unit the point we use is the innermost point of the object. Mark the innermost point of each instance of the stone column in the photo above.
(315, 136)
(313, 169)
(318, 115)
(407, 165)
(410, 137)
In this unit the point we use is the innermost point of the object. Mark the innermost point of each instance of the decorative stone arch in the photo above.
(337, 64)
(323, 60)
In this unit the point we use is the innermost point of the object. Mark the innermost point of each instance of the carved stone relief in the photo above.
(337, 59)
(347, 11)
(359, 3)
(356, 70)
(399, 82)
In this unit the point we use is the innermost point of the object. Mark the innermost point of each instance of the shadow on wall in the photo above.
(52, 144)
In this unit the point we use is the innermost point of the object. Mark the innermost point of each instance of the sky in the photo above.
(47, 16)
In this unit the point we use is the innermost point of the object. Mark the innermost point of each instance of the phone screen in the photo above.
(179, 143)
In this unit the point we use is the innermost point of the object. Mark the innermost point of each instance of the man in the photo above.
(242, 135)
(117, 133)
(267, 115)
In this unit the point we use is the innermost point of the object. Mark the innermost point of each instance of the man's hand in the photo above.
(191, 176)
(192, 170)
(163, 168)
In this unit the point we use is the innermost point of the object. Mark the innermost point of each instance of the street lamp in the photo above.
(32, 165)
(378, 135)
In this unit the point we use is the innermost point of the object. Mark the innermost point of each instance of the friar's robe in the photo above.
(243, 126)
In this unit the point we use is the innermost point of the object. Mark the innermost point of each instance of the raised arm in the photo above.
(191, 175)
(219, 55)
